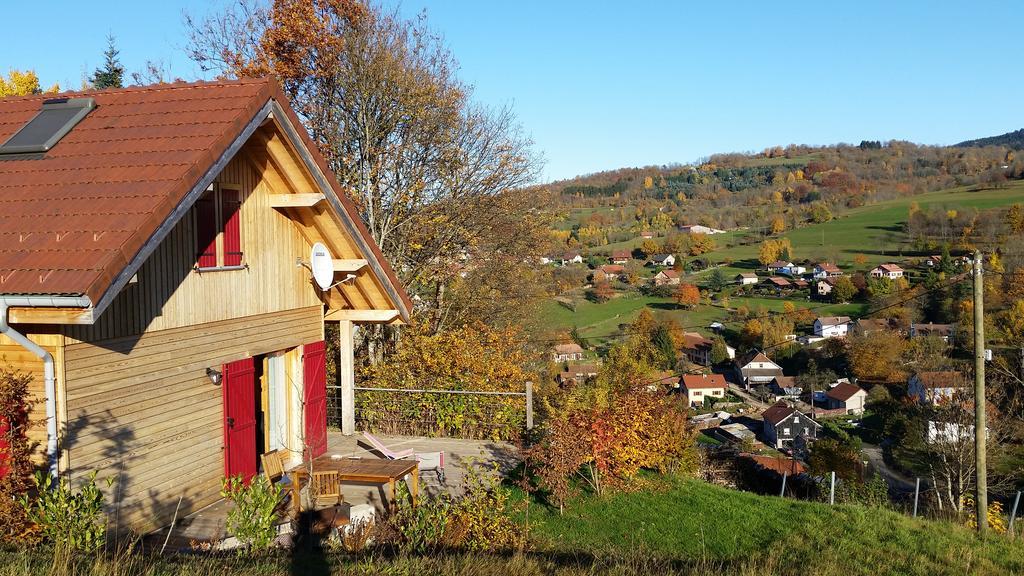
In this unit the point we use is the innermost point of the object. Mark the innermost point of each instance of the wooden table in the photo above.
(365, 470)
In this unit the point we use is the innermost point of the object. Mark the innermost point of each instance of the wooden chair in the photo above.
(325, 489)
(273, 466)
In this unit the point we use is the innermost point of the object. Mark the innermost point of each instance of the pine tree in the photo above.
(112, 73)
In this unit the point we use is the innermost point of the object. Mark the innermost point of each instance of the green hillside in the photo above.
(695, 522)
(1013, 140)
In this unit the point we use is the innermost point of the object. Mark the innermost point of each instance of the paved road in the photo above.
(747, 397)
(897, 481)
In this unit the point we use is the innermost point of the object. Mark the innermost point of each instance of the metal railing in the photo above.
(420, 411)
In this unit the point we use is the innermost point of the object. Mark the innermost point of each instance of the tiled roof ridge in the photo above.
(183, 85)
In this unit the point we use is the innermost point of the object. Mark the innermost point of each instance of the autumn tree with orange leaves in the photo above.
(687, 295)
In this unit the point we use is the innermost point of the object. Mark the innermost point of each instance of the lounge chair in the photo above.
(427, 460)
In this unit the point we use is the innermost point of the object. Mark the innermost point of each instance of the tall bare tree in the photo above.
(436, 176)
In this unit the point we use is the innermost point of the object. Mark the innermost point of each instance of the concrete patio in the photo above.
(208, 525)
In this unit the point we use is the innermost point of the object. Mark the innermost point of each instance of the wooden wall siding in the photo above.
(143, 410)
(286, 174)
(170, 294)
(13, 356)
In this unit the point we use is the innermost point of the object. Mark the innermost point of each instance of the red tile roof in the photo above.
(843, 391)
(703, 381)
(73, 219)
(777, 412)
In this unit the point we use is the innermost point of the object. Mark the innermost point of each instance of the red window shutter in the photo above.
(239, 389)
(314, 366)
(231, 205)
(206, 231)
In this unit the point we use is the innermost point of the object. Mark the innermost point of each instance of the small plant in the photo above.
(996, 520)
(253, 518)
(69, 518)
(15, 456)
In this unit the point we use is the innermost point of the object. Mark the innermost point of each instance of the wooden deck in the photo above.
(207, 525)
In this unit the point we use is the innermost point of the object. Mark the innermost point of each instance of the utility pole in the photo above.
(980, 429)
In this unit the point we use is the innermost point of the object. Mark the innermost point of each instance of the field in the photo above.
(874, 231)
(599, 321)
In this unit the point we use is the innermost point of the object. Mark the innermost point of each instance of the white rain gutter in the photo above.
(49, 379)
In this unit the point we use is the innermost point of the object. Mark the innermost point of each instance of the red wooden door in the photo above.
(314, 368)
(240, 419)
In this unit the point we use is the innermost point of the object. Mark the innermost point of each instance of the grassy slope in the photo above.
(600, 320)
(874, 230)
(692, 520)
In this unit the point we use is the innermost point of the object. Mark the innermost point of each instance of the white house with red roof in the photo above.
(890, 271)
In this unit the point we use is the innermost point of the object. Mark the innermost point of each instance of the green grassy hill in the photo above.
(695, 522)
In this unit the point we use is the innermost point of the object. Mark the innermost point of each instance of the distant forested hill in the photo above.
(1013, 140)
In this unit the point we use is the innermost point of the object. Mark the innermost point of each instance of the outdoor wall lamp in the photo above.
(214, 376)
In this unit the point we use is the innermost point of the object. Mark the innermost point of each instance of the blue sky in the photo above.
(601, 85)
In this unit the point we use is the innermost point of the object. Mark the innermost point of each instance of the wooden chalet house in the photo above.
(154, 253)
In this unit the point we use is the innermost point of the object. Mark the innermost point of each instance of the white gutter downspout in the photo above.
(49, 379)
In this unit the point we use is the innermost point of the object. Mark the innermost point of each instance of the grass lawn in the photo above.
(691, 520)
(875, 230)
(600, 321)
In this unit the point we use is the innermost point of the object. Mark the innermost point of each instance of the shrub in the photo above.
(478, 520)
(254, 515)
(69, 518)
(15, 459)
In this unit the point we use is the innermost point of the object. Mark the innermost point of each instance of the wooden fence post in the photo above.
(529, 405)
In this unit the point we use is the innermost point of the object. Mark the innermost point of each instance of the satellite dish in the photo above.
(322, 264)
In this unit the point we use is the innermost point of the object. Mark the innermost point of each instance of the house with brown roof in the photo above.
(831, 326)
(698, 387)
(936, 387)
(785, 387)
(566, 352)
(784, 424)
(944, 331)
(847, 396)
(148, 281)
(621, 256)
(608, 272)
(757, 369)
(746, 278)
(667, 277)
(868, 326)
(826, 270)
(889, 271)
(577, 373)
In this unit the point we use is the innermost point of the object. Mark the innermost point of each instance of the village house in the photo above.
(696, 348)
(667, 277)
(793, 270)
(620, 256)
(149, 285)
(824, 286)
(846, 396)
(576, 374)
(777, 266)
(826, 270)
(800, 284)
(890, 271)
(777, 283)
(933, 261)
(699, 229)
(785, 387)
(757, 369)
(566, 352)
(936, 387)
(663, 260)
(831, 326)
(868, 326)
(944, 331)
(784, 424)
(608, 272)
(698, 387)
(571, 258)
(647, 234)
(746, 278)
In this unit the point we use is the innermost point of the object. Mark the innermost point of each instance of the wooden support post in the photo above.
(529, 405)
(980, 428)
(1013, 513)
(347, 372)
(917, 494)
(832, 490)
